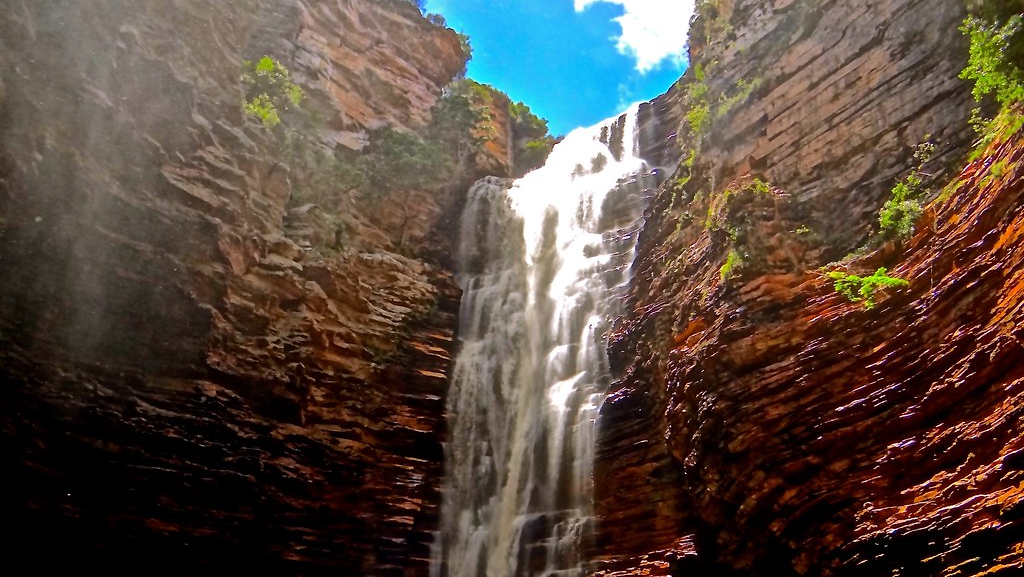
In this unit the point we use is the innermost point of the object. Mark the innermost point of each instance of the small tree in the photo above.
(989, 64)
(531, 139)
(459, 120)
(269, 91)
(899, 214)
(400, 161)
(400, 164)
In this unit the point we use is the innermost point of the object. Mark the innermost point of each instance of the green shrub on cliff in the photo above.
(324, 177)
(269, 91)
(699, 114)
(532, 155)
(900, 213)
(398, 161)
(458, 117)
(531, 141)
(732, 262)
(989, 65)
(862, 289)
(996, 33)
(462, 123)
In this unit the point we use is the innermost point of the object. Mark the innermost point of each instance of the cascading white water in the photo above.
(541, 263)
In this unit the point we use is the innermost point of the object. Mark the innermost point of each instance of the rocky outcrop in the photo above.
(369, 63)
(763, 424)
(496, 157)
(822, 99)
(191, 384)
(658, 124)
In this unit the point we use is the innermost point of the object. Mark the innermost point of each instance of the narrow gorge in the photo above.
(374, 320)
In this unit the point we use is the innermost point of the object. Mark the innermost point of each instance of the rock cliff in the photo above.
(192, 381)
(762, 424)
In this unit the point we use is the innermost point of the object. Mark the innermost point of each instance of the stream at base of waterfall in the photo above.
(543, 262)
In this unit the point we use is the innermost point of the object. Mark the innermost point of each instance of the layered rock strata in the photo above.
(192, 382)
(763, 424)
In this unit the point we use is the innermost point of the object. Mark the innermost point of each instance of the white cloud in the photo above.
(652, 30)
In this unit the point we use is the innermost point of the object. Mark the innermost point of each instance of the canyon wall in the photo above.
(762, 424)
(199, 374)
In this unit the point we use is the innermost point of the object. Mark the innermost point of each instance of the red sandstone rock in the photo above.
(763, 420)
(192, 384)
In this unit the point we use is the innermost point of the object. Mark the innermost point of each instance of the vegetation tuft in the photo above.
(269, 91)
(862, 289)
(732, 263)
(996, 34)
(900, 213)
(531, 139)
(988, 65)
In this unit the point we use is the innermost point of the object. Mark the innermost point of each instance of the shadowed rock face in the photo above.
(762, 424)
(187, 386)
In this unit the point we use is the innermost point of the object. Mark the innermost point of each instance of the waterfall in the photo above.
(542, 262)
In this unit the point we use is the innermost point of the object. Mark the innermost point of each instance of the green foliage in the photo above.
(732, 262)
(691, 158)
(862, 289)
(719, 206)
(743, 90)
(715, 26)
(269, 91)
(323, 176)
(761, 187)
(392, 162)
(704, 8)
(462, 123)
(531, 139)
(459, 117)
(704, 110)
(994, 65)
(699, 117)
(399, 161)
(899, 214)
(988, 65)
(699, 114)
(526, 124)
(998, 169)
(532, 155)
(262, 108)
(995, 171)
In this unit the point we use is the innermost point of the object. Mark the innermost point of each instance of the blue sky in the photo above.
(574, 62)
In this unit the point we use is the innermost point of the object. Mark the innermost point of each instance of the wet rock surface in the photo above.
(190, 383)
